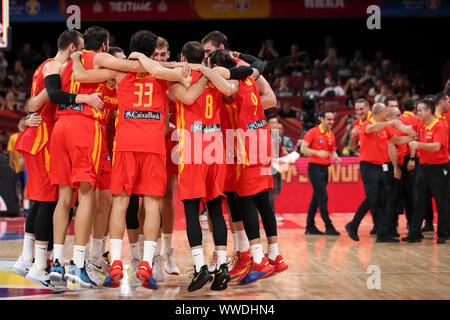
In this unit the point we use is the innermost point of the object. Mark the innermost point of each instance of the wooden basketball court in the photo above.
(320, 268)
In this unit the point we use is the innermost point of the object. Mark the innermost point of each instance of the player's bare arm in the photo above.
(228, 88)
(188, 95)
(37, 101)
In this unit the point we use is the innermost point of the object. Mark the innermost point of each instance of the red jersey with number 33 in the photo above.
(141, 114)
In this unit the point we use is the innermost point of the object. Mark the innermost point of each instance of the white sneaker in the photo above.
(212, 263)
(132, 269)
(169, 262)
(99, 265)
(21, 267)
(158, 271)
(41, 277)
(93, 275)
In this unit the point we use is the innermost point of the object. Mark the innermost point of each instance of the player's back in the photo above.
(69, 84)
(141, 114)
(33, 139)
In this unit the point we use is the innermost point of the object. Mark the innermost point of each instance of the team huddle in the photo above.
(111, 136)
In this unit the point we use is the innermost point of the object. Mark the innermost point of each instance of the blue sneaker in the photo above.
(79, 276)
(110, 283)
(258, 271)
(57, 273)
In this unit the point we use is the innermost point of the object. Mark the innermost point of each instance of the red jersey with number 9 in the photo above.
(256, 140)
(200, 122)
(69, 84)
(141, 114)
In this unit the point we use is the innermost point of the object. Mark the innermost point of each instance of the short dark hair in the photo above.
(217, 38)
(362, 100)
(389, 98)
(438, 97)
(94, 37)
(113, 50)
(68, 37)
(409, 104)
(271, 116)
(324, 112)
(222, 58)
(143, 41)
(429, 104)
(193, 52)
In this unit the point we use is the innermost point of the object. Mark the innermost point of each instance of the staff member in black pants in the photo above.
(374, 141)
(433, 145)
(319, 144)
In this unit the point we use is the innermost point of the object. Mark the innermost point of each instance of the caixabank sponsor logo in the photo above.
(136, 114)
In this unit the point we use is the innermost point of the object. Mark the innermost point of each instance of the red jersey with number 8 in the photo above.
(141, 114)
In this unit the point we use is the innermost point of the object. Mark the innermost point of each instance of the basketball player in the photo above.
(33, 143)
(139, 154)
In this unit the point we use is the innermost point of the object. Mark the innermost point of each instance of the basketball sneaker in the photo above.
(99, 264)
(199, 279)
(132, 269)
(42, 278)
(79, 276)
(145, 275)
(112, 280)
(278, 264)
(93, 275)
(242, 265)
(221, 278)
(258, 271)
(158, 271)
(21, 267)
(57, 273)
(212, 263)
(169, 262)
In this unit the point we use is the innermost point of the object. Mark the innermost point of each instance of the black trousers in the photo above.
(428, 214)
(432, 183)
(318, 176)
(408, 188)
(392, 188)
(374, 184)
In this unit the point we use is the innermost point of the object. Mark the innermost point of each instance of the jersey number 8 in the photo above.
(209, 107)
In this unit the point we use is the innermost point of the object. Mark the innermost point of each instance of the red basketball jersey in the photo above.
(33, 139)
(141, 114)
(69, 84)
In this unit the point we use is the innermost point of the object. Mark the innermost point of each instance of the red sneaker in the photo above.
(115, 275)
(278, 264)
(145, 275)
(258, 271)
(242, 265)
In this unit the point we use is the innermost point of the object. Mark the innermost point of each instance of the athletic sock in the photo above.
(167, 240)
(97, 248)
(199, 259)
(116, 249)
(257, 252)
(158, 247)
(235, 241)
(134, 247)
(40, 259)
(78, 255)
(273, 251)
(149, 251)
(58, 253)
(27, 250)
(221, 258)
(244, 245)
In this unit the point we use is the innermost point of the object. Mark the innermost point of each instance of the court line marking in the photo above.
(363, 272)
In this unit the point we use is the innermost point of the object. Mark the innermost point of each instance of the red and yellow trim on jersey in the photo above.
(97, 146)
(41, 138)
(47, 159)
(432, 124)
(407, 114)
(180, 131)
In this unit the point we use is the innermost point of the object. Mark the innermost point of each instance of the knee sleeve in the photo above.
(236, 215)
(193, 228)
(218, 222)
(29, 223)
(267, 214)
(132, 212)
(43, 225)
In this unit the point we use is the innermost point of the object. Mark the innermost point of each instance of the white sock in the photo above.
(141, 244)
(273, 251)
(97, 248)
(149, 251)
(78, 255)
(27, 250)
(104, 245)
(235, 242)
(244, 245)
(158, 247)
(134, 247)
(199, 260)
(221, 258)
(86, 252)
(167, 240)
(116, 249)
(40, 259)
(58, 253)
(50, 255)
(257, 252)
(26, 204)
